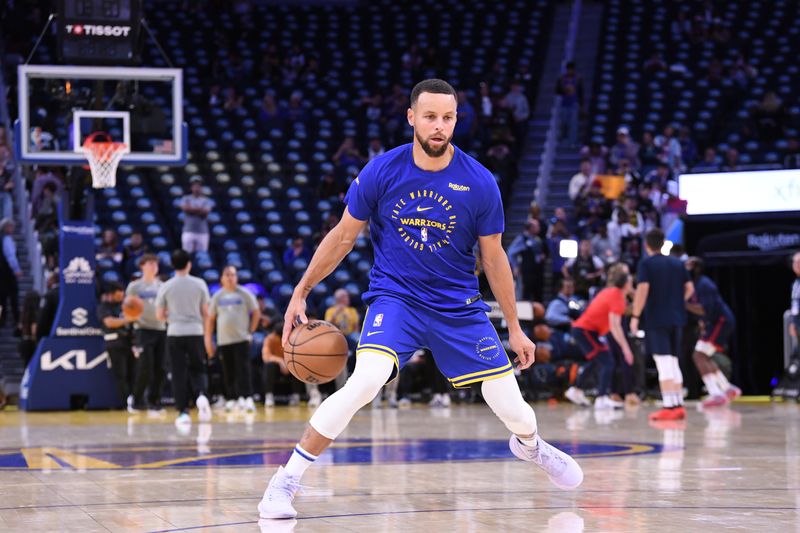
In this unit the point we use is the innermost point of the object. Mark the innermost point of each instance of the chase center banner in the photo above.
(72, 361)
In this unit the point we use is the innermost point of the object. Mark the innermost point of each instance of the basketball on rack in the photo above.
(316, 352)
(132, 307)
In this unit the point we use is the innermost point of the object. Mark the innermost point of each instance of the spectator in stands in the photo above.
(670, 149)
(43, 176)
(296, 111)
(659, 176)
(43, 141)
(709, 163)
(625, 148)
(348, 155)
(557, 232)
(688, 147)
(466, 123)
(375, 148)
(487, 104)
(602, 246)
(49, 306)
(648, 152)
(118, 336)
(215, 98)
(564, 308)
(597, 154)
(110, 247)
(520, 108)
(579, 183)
(524, 75)
(791, 158)
(133, 251)
(275, 366)
(570, 88)
(592, 210)
(6, 183)
(47, 215)
(10, 272)
(731, 163)
(373, 108)
(345, 317)
(527, 257)
(330, 187)
(500, 161)
(27, 344)
(297, 250)
(742, 72)
(196, 208)
(631, 175)
(586, 270)
(270, 66)
(270, 115)
(769, 117)
(233, 100)
(536, 214)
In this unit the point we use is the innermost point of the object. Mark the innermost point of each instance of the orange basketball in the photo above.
(538, 311)
(315, 352)
(542, 332)
(543, 354)
(132, 307)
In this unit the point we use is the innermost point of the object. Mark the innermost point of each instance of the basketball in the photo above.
(316, 352)
(132, 307)
(542, 332)
(538, 311)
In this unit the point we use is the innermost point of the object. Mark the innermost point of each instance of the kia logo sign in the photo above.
(98, 30)
(73, 360)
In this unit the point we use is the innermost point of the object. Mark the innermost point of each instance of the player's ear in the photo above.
(410, 117)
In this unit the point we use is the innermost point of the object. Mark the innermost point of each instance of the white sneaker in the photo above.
(277, 500)
(446, 400)
(269, 400)
(577, 396)
(314, 399)
(183, 420)
(249, 405)
(436, 401)
(404, 402)
(203, 409)
(294, 400)
(130, 405)
(605, 402)
(230, 405)
(220, 403)
(240, 404)
(563, 471)
(393, 401)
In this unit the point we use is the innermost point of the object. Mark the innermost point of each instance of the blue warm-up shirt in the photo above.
(424, 226)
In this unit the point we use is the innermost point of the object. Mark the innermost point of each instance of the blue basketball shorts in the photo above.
(464, 343)
(664, 340)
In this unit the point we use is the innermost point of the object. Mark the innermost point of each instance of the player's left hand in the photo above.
(524, 348)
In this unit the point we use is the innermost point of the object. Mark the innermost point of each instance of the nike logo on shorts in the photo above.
(371, 333)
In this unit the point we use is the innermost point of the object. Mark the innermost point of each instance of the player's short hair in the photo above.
(563, 282)
(229, 267)
(112, 286)
(654, 239)
(180, 258)
(619, 278)
(698, 265)
(148, 258)
(433, 85)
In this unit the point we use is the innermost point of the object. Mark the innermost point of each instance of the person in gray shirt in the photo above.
(150, 337)
(183, 303)
(234, 313)
(195, 207)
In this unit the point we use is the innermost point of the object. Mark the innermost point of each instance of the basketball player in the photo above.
(662, 291)
(117, 334)
(234, 313)
(604, 314)
(427, 204)
(718, 325)
(150, 337)
(182, 302)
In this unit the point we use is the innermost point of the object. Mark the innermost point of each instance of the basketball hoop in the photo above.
(104, 157)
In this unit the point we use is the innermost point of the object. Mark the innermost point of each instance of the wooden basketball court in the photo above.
(416, 469)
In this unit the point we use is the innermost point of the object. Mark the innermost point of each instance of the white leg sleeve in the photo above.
(371, 372)
(505, 399)
(677, 375)
(666, 367)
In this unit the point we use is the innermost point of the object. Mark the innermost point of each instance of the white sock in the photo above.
(667, 399)
(711, 384)
(677, 399)
(531, 442)
(298, 462)
(722, 381)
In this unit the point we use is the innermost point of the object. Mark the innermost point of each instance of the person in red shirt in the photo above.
(603, 315)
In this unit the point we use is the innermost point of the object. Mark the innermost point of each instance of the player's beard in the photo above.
(429, 150)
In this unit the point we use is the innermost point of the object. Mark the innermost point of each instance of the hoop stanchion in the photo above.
(104, 157)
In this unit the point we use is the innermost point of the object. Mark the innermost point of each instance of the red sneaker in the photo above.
(678, 413)
(715, 401)
(733, 392)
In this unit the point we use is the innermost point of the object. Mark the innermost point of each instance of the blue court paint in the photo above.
(345, 451)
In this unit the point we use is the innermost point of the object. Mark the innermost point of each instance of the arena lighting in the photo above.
(762, 191)
(568, 249)
(666, 247)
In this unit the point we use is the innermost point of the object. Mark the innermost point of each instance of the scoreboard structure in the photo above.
(99, 32)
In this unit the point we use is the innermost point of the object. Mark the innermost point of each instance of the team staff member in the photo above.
(117, 334)
(234, 314)
(662, 290)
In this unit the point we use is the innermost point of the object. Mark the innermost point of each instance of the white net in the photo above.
(104, 158)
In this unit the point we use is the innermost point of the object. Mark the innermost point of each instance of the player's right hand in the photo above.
(294, 316)
(628, 354)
